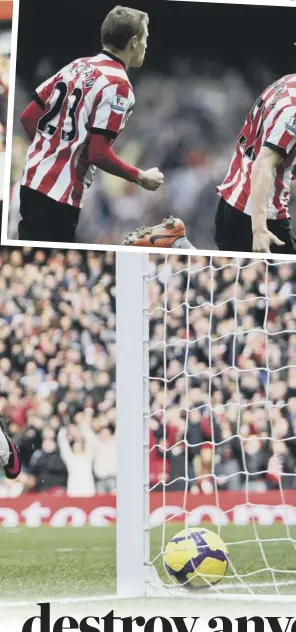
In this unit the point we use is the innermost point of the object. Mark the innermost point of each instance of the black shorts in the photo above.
(45, 219)
(233, 231)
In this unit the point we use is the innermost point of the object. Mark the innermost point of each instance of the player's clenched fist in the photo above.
(263, 239)
(151, 179)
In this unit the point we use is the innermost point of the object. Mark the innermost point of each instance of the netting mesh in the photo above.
(223, 413)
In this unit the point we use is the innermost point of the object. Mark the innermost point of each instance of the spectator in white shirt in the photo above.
(76, 451)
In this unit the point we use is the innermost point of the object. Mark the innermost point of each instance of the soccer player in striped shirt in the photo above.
(253, 211)
(72, 123)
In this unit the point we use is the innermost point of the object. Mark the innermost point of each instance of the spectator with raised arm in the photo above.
(76, 451)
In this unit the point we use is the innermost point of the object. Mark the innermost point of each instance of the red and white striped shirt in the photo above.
(90, 95)
(270, 123)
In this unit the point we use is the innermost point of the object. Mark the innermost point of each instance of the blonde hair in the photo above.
(120, 25)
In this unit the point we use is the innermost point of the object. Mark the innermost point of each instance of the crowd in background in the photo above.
(57, 368)
(186, 123)
(222, 367)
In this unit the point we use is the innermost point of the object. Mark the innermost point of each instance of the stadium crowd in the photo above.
(223, 370)
(57, 362)
(185, 122)
(223, 367)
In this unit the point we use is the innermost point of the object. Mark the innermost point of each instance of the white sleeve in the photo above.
(282, 131)
(111, 109)
(64, 446)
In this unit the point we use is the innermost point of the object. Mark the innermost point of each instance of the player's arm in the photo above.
(261, 182)
(293, 185)
(109, 112)
(279, 141)
(30, 117)
(89, 437)
(33, 112)
(64, 446)
(101, 155)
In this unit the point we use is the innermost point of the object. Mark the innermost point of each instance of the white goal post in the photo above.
(135, 271)
(132, 404)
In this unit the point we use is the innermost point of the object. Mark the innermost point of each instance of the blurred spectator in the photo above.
(47, 468)
(76, 452)
(105, 460)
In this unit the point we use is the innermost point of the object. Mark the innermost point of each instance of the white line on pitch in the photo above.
(64, 601)
(289, 582)
(68, 550)
(94, 598)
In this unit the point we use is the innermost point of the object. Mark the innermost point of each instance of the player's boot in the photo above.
(170, 233)
(10, 460)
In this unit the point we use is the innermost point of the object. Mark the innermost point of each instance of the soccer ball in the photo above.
(196, 558)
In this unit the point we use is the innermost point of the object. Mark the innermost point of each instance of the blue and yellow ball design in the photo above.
(196, 558)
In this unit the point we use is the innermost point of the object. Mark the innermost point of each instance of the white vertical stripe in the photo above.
(30, 150)
(90, 97)
(34, 161)
(104, 110)
(44, 166)
(235, 194)
(131, 103)
(64, 178)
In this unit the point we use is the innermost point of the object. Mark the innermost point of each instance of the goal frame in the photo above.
(135, 575)
(132, 425)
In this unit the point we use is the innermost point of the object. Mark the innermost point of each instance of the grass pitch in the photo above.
(81, 562)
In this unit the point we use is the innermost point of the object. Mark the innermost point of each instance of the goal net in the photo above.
(206, 392)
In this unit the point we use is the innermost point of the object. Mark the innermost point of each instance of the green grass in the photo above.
(77, 562)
